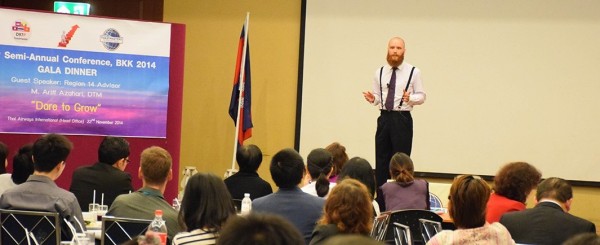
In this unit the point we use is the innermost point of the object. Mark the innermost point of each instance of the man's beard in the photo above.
(395, 63)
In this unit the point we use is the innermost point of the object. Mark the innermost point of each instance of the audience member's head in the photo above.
(359, 169)
(3, 158)
(402, 169)
(349, 207)
(259, 229)
(555, 189)
(320, 164)
(340, 157)
(207, 203)
(468, 199)
(351, 239)
(22, 164)
(248, 158)
(584, 239)
(287, 168)
(114, 151)
(516, 180)
(155, 166)
(49, 151)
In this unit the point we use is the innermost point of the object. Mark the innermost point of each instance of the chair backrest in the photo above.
(380, 226)
(410, 218)
(402, 234)
(45, 227)
(116, 230)
(435, 203)
(429, 228)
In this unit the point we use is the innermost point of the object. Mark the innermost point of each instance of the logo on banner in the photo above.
(66, 37)
(111, 39)
(21, 30)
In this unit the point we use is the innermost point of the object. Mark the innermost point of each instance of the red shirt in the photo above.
(498, 205)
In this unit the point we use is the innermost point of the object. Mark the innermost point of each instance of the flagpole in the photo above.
(241, 82)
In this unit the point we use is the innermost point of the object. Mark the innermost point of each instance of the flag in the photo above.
(245, 127)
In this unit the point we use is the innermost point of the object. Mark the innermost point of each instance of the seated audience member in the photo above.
(360, 169)
(155, 171)
(39, 192)
(348, 210)
(206, 206)
(549, 221)
(466, 205)
(5, 181)
(107, 176)
(259, 229)
(351, 239)
(405, 192)
(300, 208)
(340, 157)
(320, 165)
(22, 169)
(584, 239)
(249, 158)
(512, 185)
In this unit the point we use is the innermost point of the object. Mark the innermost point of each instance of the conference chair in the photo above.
(402, 235)
(410, 218)
(380, 226)
(117, 230)
(43, 226)
(429, 228)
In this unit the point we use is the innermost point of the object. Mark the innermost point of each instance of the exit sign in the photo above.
(72, 8)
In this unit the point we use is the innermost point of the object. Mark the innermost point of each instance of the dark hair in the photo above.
(468, 200)
(319, 163)
(113, 149)
(287, 168)
(22, 164)
(340, 157)
(259, 229)
(3, 156)
(206, 203)
(515, 180)
(50, 150)
(361, 170)
(155, 163)
(349, 207)
(248, 158)
(351, 239)
(584, 239)
(554, 188)
(402, 169)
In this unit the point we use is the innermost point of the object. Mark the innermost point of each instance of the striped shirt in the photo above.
(195, 237)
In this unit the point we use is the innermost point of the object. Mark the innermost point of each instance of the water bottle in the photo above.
(246, 204)
(159, 227)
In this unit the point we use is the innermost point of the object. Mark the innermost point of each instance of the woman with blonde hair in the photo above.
(467, 207)
(405, 192)
(348, 210)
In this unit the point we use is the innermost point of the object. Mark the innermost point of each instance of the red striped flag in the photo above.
(235, 107)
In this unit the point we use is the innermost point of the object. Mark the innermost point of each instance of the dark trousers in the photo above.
(394, 134)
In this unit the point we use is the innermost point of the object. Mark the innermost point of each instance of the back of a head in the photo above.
(361, 170)
(50, 150)
(112, 149)
(515, 180)
(584, 239)
(349, 207)
(287, 168)
(155, 163)
(340, 157)
(402, 169)
(207, 203)
(248, 158)
(554, 188)
(351, 239)
(259, 229)
(22, 164)
(320, 163)
(3, 157)
(468, 199)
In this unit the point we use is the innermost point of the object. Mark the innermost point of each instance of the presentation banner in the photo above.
(83, 75)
